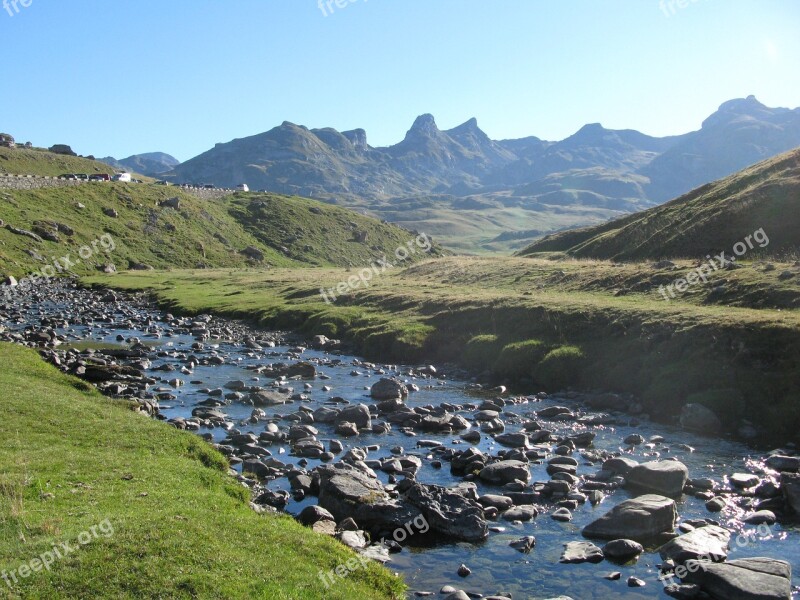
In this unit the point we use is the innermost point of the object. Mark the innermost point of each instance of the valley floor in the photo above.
(732, 344)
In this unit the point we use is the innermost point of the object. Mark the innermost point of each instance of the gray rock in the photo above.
(788, 464)
(698, 418)
(581, 552)
(313, 514)
(620, 465)
(745, 579)
(709, 543)
(524, 544)
(622, 550)
(521, 513)
(388, 389)
(358, 414)
(667, 477)
(640, 519)
(506, 471)
(790, 487)
(760, 517)
(744, 480)
(716, 504)
(448, 512)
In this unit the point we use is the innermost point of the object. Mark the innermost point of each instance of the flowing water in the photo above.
(426, 564)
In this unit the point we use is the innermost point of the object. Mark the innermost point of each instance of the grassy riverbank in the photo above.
(160, 516)
(543, 324)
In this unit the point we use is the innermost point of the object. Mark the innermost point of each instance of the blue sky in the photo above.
(122, 77)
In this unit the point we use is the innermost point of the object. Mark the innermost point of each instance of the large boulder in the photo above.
(698, 418)
(707, 543)
(358, 414)
(667, 477)
(506, 471)
(449, 512)
(790, 487)
(744, 579)
(641, 519)
(347, 491)
(388, 389)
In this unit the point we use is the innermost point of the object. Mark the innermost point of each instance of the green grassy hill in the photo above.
(199, 233)
(714, 217)
(39, 161)
(168, 521)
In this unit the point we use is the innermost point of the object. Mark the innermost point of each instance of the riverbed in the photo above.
(86, 320)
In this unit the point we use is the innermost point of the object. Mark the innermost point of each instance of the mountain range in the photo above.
(477, 194)
(152, 164)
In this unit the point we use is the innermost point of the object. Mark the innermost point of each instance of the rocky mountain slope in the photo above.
(151, 164)
(710, 219)
(473, 191)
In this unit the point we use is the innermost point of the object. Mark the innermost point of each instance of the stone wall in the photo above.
(32, 182)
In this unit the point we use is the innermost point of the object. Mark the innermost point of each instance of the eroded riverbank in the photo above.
(265, 399)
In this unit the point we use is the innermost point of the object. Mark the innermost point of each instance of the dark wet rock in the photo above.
(760, 517)
(498, 502)
(667, 477)
(622, 550)
(562, 515)
(312, 514)
(635, 582)
(553, 411)
(524, 544)
(620, 465)
(698, 418)
(464, 571)
(347, 491)
(716, 504)
(744, 481)
(512, 440)
(709, 542)
(448, 512)
(268, 398)
(640, 519)
(581, 552)
(473, 437)
(634, 440)
(388, 389)
(682, 592)
(521, 513)
(346, 429)
(790, 487)
(744, 579)
(505, 471)
(358, 414)
(788, 464)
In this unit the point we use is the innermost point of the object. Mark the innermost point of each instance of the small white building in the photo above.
(123, 177)
(242, 187)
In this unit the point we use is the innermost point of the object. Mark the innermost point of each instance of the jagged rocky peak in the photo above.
(741, 107)
(425, 125)
(357, 137)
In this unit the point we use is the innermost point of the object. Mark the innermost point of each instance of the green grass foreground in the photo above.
(168, 521)
(541, 324)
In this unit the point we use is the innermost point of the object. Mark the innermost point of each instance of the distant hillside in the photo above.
(707, 220)
(151, 164)
(524, 186)
(38, 161)
(150, 230)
